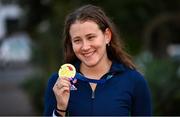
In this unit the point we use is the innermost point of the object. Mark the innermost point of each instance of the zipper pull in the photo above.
(93, 95)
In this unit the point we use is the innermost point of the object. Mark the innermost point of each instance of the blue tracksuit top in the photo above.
(124, 93)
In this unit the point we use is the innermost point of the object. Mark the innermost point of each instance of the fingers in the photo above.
(62, 84)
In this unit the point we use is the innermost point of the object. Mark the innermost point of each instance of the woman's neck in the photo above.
(97, 71)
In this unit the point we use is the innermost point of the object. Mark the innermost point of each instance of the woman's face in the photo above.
(89, 42)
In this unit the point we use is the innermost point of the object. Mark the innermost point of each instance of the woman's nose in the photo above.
(85, 45)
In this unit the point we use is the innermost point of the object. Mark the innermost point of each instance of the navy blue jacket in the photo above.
(124, 93)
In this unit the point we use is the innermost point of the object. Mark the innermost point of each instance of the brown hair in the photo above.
(90, 12)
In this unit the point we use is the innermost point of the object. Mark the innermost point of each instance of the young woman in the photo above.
(92, 46)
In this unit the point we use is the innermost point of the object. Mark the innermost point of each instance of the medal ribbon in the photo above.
(83, 78)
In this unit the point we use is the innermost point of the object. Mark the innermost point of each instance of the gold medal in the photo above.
(67, 70)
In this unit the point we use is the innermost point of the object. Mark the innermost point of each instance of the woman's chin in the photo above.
(90, 64)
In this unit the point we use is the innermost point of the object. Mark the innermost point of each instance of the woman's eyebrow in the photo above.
(76, 37)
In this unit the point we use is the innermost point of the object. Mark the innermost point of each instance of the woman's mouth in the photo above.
(88, 54)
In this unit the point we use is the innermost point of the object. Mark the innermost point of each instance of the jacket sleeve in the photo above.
(50, 100)
(142, 97)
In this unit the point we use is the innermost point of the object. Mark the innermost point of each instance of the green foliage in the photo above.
(164, 82)
(35, 87)
(163, 79)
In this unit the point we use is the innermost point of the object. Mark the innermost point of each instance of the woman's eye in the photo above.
(76, 40)
(91, 37)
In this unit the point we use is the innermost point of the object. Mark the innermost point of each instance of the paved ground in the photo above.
(13, 99)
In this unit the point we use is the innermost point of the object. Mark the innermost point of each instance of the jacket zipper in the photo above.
(92, 102)
(93, 95)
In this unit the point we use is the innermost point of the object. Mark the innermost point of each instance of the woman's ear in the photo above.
(108, 35)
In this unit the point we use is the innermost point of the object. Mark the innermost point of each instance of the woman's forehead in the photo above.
(83, 27)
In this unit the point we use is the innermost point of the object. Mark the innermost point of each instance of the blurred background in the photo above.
(31, 48)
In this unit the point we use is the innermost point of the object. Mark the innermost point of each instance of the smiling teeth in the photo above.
(88, 54)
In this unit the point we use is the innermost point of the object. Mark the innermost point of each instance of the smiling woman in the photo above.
(89, 43)
(92, 45)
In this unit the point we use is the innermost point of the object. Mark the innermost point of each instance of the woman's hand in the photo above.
(62, 92)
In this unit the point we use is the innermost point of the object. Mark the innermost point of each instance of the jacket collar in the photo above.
(116, 68)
